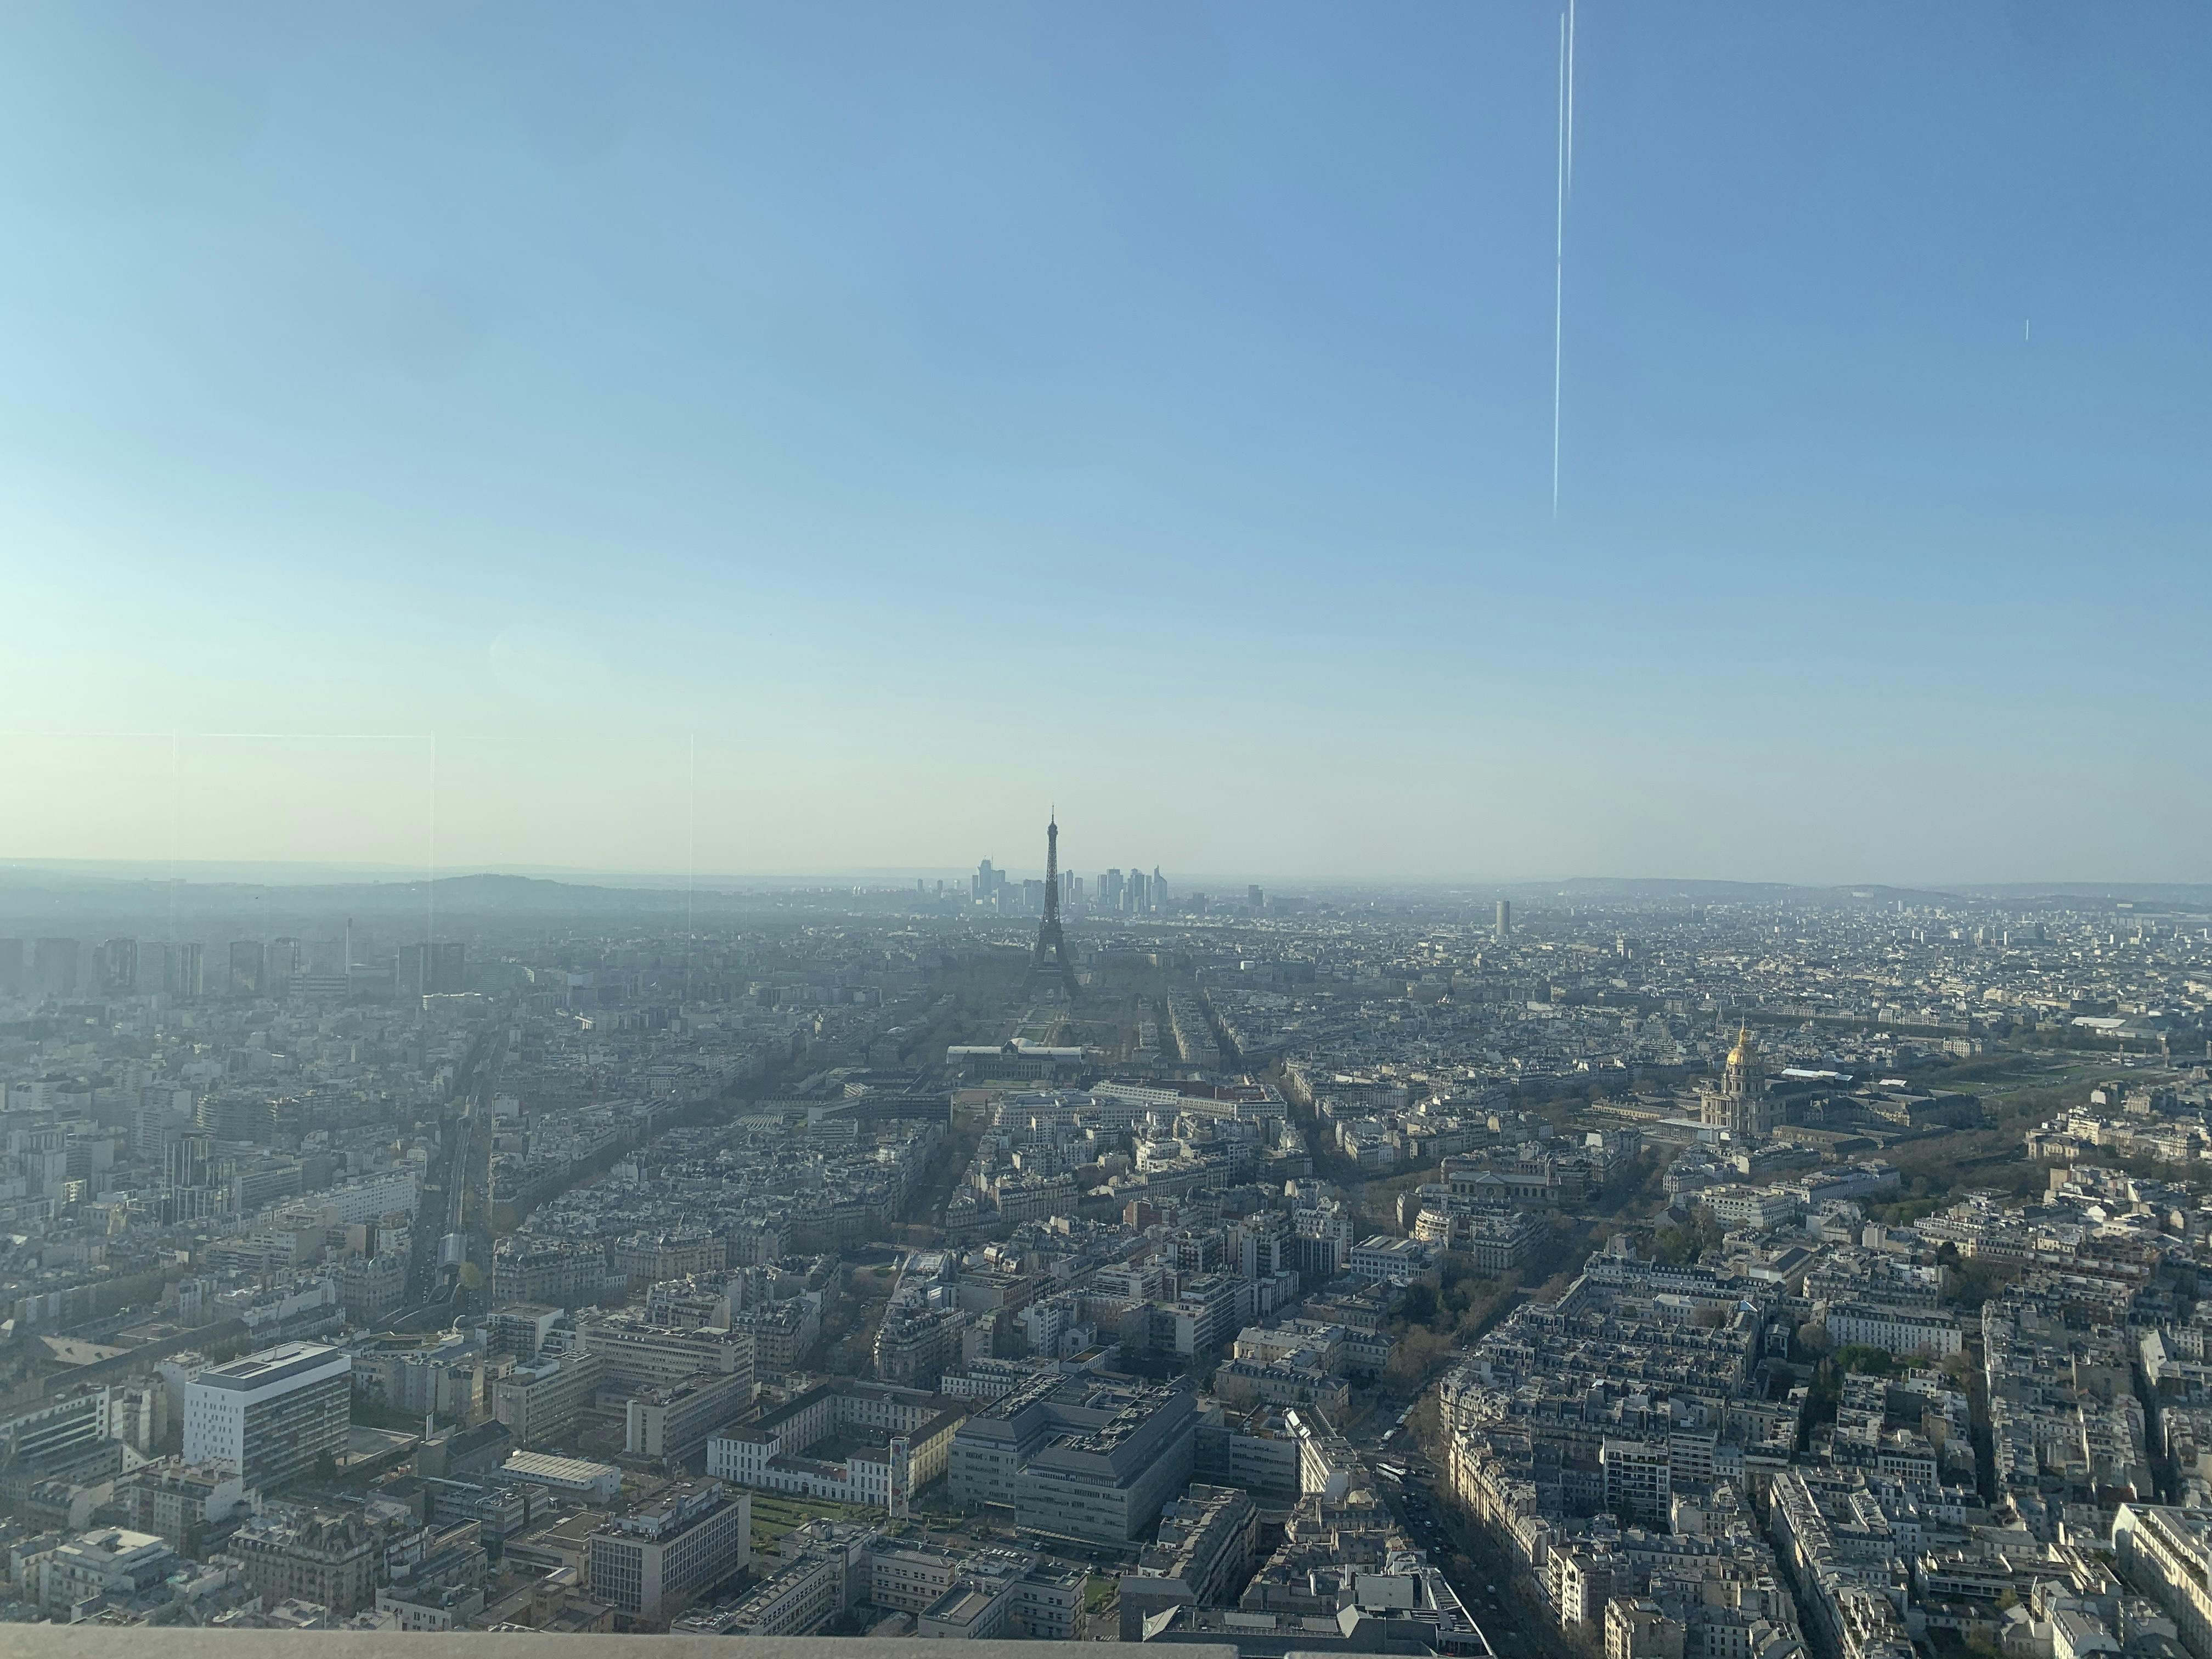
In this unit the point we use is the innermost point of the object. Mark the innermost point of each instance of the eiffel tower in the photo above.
(1051, 973)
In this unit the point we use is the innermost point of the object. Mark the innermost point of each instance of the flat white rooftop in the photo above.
(278, 1364)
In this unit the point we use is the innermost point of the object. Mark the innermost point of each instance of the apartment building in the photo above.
(665, 1357)
(650, 1563)
(1895, 1330)
(2168, 1553)
(1076, 1458)
(1204, 1546)
(332, 1560)
(914, 1429)
(675, 1423)
(539, 1400)
(272, 1414)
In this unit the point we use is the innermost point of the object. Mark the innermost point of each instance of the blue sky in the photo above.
(818, 437)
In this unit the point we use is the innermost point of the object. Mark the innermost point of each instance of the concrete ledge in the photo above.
(170, 1642)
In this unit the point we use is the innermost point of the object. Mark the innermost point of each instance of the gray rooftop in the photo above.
(258, 1370)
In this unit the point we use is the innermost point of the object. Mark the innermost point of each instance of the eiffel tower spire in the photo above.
(1050, 971)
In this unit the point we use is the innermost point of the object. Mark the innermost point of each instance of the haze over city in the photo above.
(1264, 831)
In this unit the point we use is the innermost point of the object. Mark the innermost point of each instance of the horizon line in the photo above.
(376, 873)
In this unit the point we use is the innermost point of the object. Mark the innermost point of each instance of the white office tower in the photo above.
(271, 1414)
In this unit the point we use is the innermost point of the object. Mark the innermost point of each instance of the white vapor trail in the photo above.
(1570, 100)
(1559, 244)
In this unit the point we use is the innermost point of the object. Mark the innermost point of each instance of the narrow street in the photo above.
(1430, 1520)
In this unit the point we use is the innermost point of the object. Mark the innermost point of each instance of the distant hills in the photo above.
(43, 898)
(2190, 897)
(263, 900)
(1741, 892)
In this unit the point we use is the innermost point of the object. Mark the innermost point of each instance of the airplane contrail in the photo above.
(1560, 257)
(1570, 100)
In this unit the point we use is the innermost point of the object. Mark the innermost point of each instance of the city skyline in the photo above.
(1294, 830)
(215, 873)
(617, 1229)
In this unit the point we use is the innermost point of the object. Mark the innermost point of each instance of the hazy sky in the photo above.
(820, 436)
